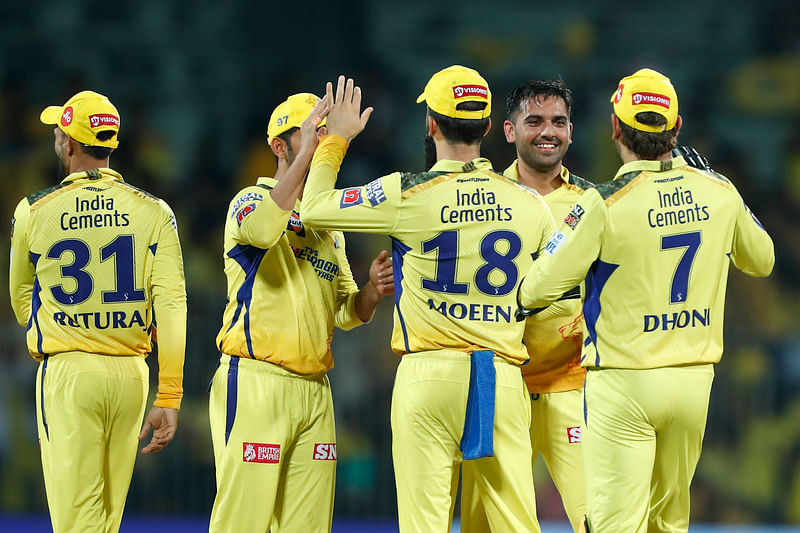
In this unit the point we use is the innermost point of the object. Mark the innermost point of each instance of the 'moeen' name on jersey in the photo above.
(461, 237)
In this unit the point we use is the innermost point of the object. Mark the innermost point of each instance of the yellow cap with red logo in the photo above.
(83, 117)
(646, 90)
(291, 113)
(453, 85)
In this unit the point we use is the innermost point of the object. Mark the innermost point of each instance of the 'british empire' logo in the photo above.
(256, 452)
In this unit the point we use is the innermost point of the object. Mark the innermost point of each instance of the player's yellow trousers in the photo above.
(428, 412)
(642, 440)
(556, 423)
(89, 412)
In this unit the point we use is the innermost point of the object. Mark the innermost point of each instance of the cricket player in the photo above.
(270, 406)
(461, 236)
(97, 279)
(538, 124)
(655, 246)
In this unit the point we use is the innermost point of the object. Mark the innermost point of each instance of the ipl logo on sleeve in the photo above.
(351, 197)
(555, 242)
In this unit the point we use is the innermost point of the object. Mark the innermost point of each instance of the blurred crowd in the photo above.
(195, 83)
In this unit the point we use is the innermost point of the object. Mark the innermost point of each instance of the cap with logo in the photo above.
(646, 90)
(84, 116)
(291, 113)
(453, 85)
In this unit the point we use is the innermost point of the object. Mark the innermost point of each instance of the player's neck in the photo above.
(628, 156)
(82, 163)
(543, 182)
(457, 152)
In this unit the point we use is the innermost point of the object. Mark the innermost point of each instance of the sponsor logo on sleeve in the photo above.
(325, 452)
(650, 98)
(243, 212)
(351, 197)
(574, 216)
(574, 435)
(103, 119)
(555, 243)
(13, 220)
(248, 197)
(296, 225)
(256, 452)
(375, 194)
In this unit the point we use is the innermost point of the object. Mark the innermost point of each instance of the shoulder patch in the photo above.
(610, 187)
(35, 197)
(137, 190)
(409, 179)
(579, 182)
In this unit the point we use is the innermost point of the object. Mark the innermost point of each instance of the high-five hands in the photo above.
(308, 129)
(345, 117)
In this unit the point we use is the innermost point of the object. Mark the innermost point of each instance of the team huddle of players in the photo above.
(536, 313)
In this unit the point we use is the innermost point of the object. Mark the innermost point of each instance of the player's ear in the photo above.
(508, 129)
(432, 126)
(71, 146)
(615, 129)
(570, 133)
(488, 127)
(678, 124)
(278, 147)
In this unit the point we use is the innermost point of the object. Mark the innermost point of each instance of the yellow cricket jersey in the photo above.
(461, 236)
(554, 337)
(288, 285)
(654, 245)
(96, 267)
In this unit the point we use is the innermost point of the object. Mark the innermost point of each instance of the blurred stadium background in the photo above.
(195, 81)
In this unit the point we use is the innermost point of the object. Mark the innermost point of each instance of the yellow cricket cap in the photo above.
(83, 117)
(291, 113)
(646, 90)
(453, 85)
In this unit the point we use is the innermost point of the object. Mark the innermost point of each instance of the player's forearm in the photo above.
(171, 335)
(753, 250)
(366, 301)
(288, 189)
(319, 188)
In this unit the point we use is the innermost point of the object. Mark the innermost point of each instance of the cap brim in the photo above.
(421, 98)
(50, 114)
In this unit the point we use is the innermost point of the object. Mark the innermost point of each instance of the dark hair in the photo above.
(99, 152)
(645, 144)
(286, 135)
(462, 130)
(535, 89)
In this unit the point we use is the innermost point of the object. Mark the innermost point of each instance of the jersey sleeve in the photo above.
(753, 251)
(168, 290)
(567, 256)
(346, 317)
(259, 221)
(371, 208)
(22, 270)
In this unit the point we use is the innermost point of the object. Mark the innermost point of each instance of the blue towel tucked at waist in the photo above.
(478, 438)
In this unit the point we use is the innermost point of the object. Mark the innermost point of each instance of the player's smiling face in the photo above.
(542, 132)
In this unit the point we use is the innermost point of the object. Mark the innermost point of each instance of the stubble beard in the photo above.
(430, 152)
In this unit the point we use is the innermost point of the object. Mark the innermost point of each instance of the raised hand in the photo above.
(345, 117)
(308, 129)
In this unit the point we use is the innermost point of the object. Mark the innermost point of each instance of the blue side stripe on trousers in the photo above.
(44, 420)
(233, 390)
